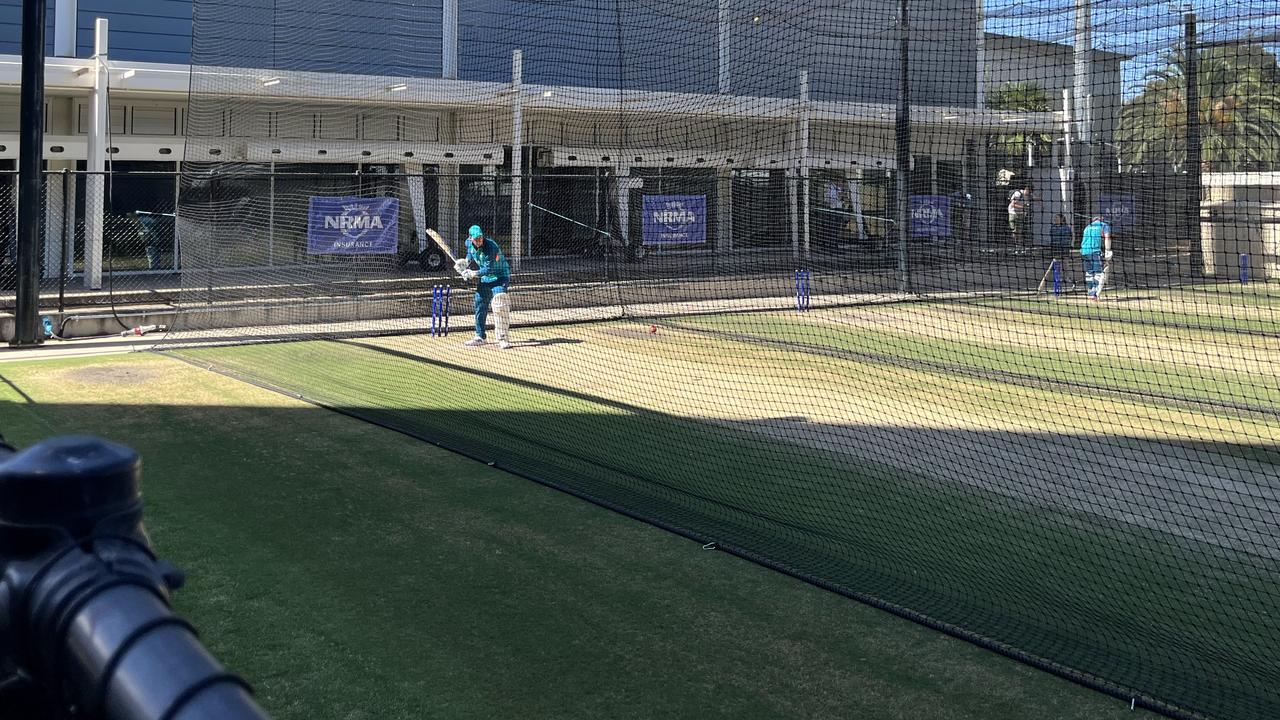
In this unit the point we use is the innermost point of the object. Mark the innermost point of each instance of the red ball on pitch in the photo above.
(653, 329)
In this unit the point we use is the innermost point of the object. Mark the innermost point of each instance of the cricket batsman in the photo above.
(494, 274)
(1095, 249)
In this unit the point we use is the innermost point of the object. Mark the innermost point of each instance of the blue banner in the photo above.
(352, 226)
(930, 216)
(675, 219)
(1118, 210)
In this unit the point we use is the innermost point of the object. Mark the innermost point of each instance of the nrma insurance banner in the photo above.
(930, 216)
(352, 226)
(1117, 209)
(675, 219)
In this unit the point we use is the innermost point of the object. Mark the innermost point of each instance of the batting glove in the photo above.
(1109, 254)
(460, 265)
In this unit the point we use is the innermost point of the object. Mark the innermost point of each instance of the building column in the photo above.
(271, 215)
(625, 185)
(448, 186)
(724, 209)
(59, 216)
(982, 193)
(60, 194)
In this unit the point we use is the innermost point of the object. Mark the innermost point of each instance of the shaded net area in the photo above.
(968, 313)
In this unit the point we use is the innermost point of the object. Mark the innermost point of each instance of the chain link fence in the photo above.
(129, 238)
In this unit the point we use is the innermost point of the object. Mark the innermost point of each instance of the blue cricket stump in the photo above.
(440, 297)
(1057, 278)
(1244, 268)
(802, 290)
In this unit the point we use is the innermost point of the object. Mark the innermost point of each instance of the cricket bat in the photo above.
(1045, 279)
(439, 241)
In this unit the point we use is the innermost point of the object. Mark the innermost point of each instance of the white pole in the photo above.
(64, 28)
(449, 41)
(1065, 172)
(1083, 106)
(724, 208)
(517, 160)
(804, 155)
(271, 216)
(980, 87)
(722, 45)
(95, 182)
(177, 210)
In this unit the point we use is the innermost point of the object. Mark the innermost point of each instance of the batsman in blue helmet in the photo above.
(493, 273)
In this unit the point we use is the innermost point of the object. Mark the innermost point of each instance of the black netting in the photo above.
(998, 358)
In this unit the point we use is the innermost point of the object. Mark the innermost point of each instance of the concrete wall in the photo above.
(1240, 215)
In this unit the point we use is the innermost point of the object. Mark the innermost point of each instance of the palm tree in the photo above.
(1239, 89)
(1018, 97)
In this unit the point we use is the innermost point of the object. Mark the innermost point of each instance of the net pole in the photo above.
(31, 153)
(449, 40)
(804, 160)
(517, 159)
(723, 38)
(902, 134)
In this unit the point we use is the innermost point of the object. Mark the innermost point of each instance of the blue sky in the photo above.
(1139, 28)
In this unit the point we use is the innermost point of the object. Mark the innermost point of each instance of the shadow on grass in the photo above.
(348, 572)
(1145, 567)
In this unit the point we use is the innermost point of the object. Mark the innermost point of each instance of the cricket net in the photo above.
(965, 310)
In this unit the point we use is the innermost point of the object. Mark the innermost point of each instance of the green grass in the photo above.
(1208, 317)
(1182, 620)
(351, 572)
(1157, 381)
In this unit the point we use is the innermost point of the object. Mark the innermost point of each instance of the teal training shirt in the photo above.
(490, 261)
(1092, 242)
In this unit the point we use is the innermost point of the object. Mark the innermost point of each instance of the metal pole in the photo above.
(723, 38)
(902, 134)
(95, 205)
(30, 156)
(517, 161)
(804, 161)
(1193, 145)
(449, 42)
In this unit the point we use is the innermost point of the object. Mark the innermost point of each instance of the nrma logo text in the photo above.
(354, 222)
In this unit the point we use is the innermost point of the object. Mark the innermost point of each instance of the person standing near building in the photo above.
(1095, 248)
(1020, 214)
(1059, 236)
(494, 275)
